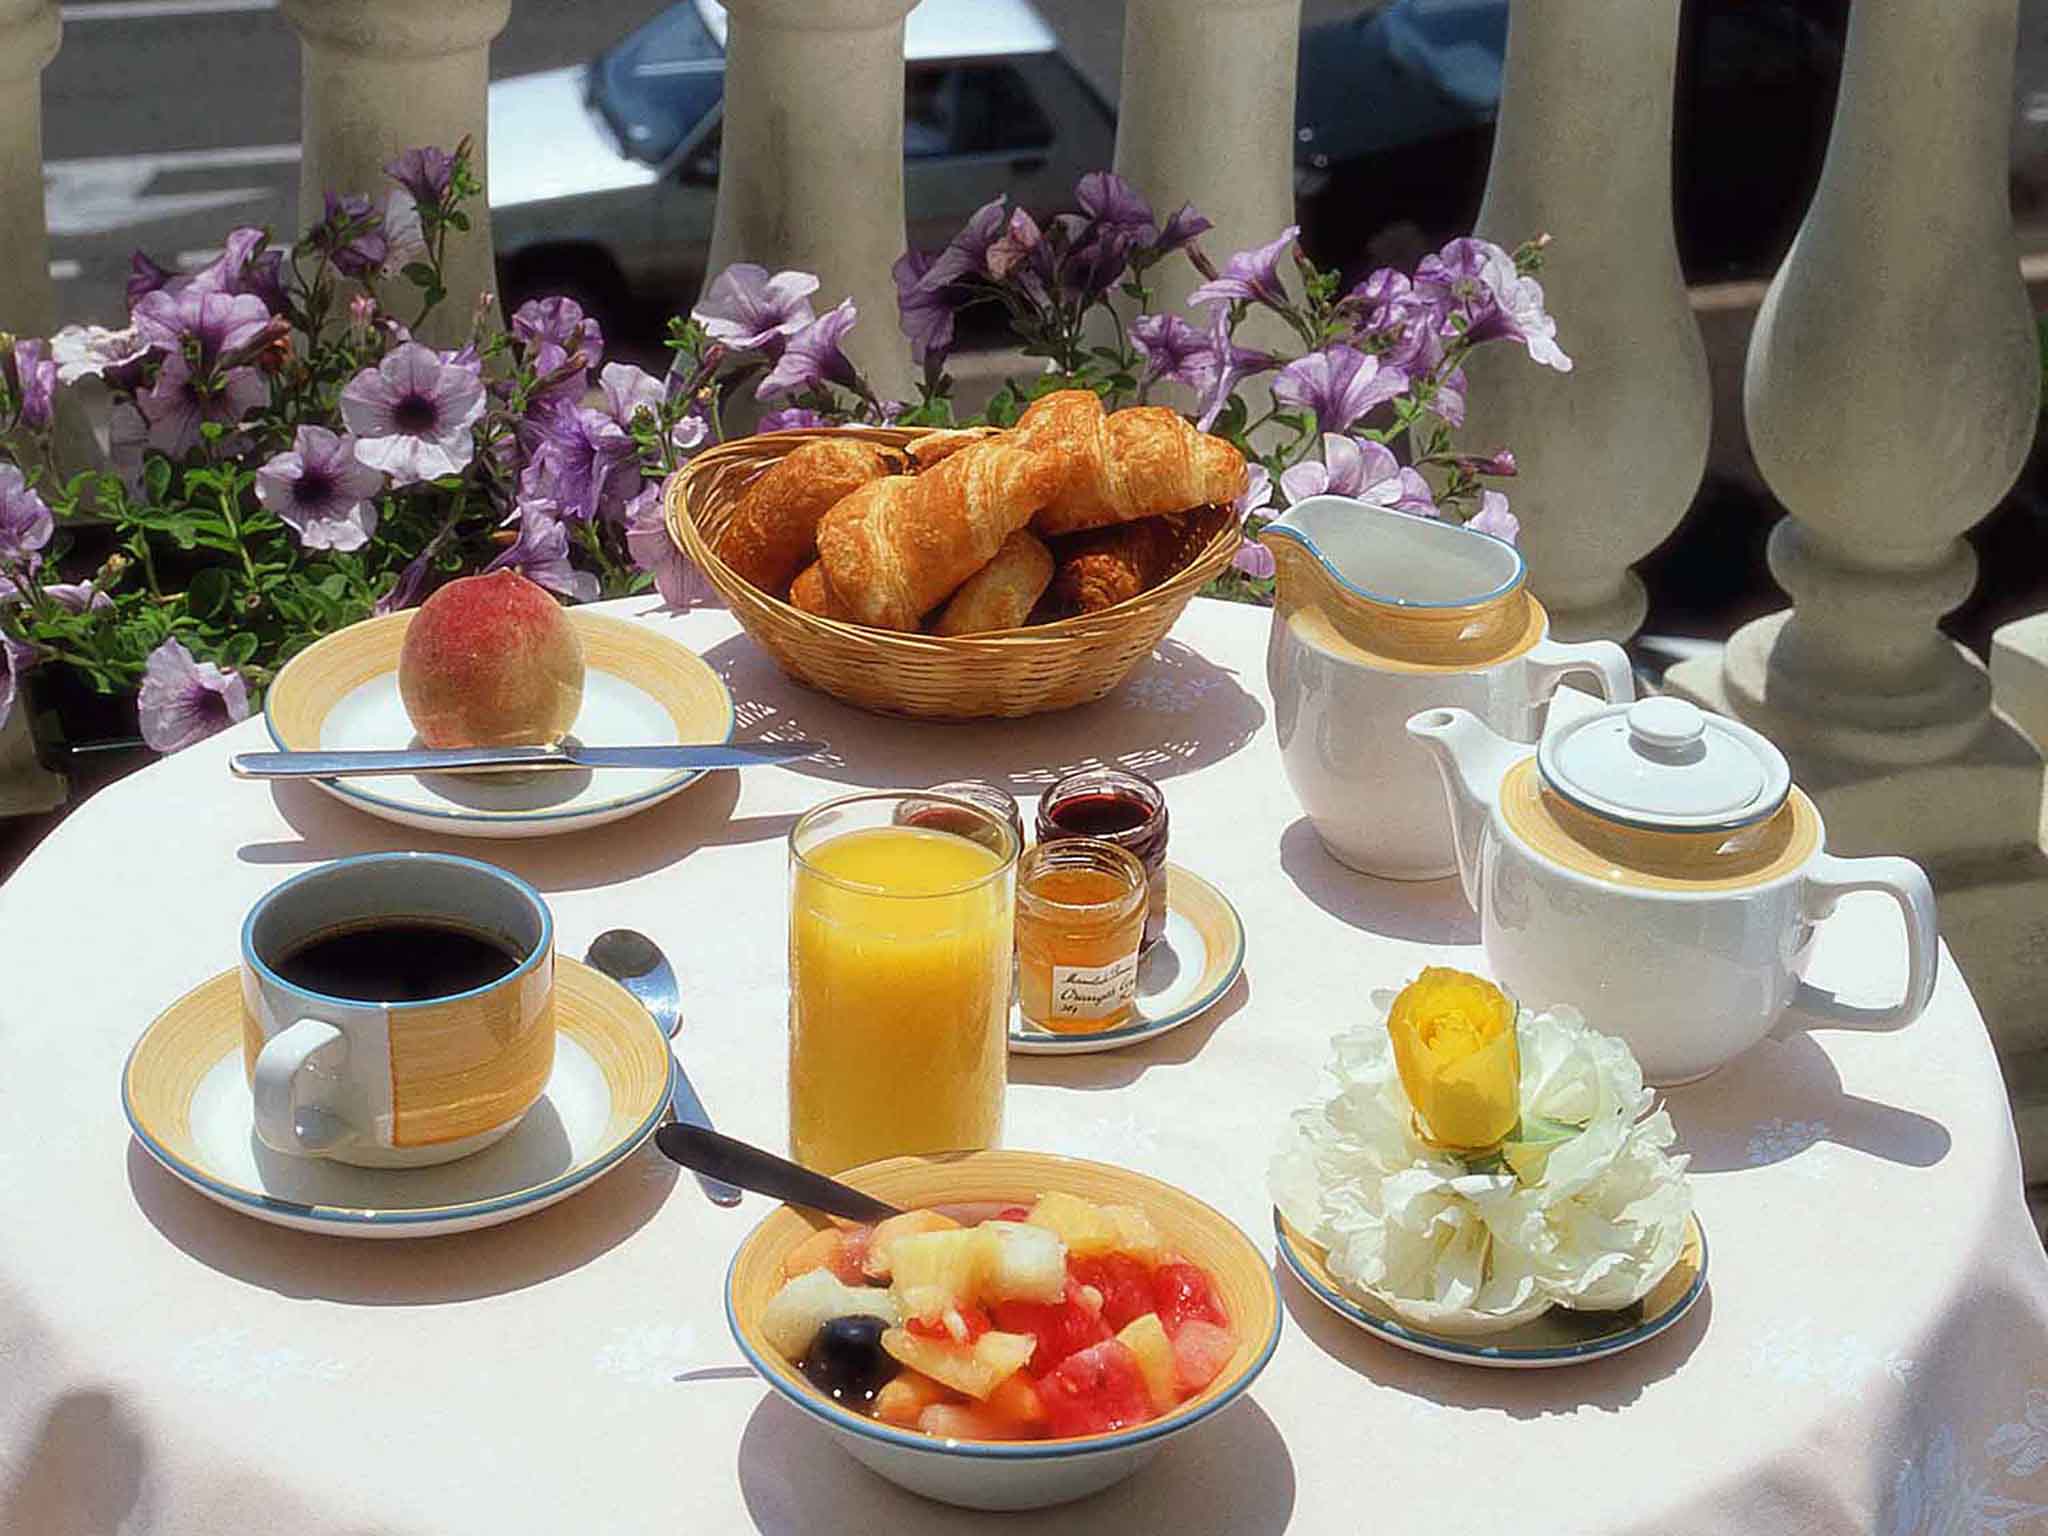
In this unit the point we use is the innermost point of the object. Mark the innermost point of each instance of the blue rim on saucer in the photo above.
(1668, 1301)
(1201, 916)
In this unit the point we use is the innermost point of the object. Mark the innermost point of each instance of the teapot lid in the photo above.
(1667, 766)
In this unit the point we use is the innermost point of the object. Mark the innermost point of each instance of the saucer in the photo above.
(640, 688)
(1181, 976)
(1557, 1337)
(188, 1102)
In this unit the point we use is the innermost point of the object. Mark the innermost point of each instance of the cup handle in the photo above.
(287, 1057)
(1551, 662)
(1827, 880)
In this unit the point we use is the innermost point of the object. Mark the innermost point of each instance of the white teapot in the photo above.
(1376, 615)
(1653, 866)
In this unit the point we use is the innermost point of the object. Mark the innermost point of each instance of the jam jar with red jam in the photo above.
(1118, 807)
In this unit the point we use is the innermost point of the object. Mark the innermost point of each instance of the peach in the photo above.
(490, 661)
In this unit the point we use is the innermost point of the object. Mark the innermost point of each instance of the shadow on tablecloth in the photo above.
(87, 1466)
(1176, 712)
(1230, 1476)
(1783, 1099)
(1423, 911)
(1119, 1069)
(405, 1271)
(700, 817)
(1607, 1385)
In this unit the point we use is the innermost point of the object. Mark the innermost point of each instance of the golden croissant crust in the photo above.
(1125, 465)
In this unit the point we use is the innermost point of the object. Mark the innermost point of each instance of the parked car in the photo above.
(604, 178)
(1395, 110)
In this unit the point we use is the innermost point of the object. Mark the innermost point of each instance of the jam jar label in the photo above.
(1094, 991)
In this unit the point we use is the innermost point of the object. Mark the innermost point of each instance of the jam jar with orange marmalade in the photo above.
(1080, 926)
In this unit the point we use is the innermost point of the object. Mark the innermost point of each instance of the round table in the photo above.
(1871, 1355)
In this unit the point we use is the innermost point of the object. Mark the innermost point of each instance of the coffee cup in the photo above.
(397, 1009)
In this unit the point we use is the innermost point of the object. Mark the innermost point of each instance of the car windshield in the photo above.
(660, 83)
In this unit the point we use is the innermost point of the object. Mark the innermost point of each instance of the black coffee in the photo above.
(403, 960)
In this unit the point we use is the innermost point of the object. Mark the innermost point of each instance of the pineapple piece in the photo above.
(906, 1396)
(935, 1271)
(1135, 1234)
(839, 1249)
(1025, 1263)
(1016, 1404)
(975, 1369)
(876, 1265)
(1083, 1227)
(795, 1313)
(1146, 1338)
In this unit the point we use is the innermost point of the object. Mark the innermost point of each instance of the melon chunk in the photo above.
(1083, 1227)
(876, 1263)
(1135, 1234)
(906, 1396)
(795, 1313)
(1024, 1263)
(1146, 1338)
(976, 1369)
(932, 1272)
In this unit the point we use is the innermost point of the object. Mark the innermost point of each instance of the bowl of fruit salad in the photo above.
(1028, 1331)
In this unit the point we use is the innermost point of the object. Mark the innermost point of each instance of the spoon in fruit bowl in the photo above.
(704, 1151)
(636, 963)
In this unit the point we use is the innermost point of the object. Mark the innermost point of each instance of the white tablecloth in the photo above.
(1872, 1354)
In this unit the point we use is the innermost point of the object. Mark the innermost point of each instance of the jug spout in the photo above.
(1473, 760)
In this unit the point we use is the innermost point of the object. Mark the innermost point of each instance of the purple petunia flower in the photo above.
(1449, 399)
(412, 414)
(750, 310)
(1382, 300)
(1019, 242)
(144, 277)
(561, 321)
(38, 374)
(92, 351)
(25, 522)
(321, 490)
(1494, 517)
(794, 416)
(1366, 471)
(926, 314)
(1252, 276)
(1184, 227)
(78, 596)
(676, 577)
(1172, 349)
(184, 700)
(218, 323)
(412, 580)
(1339, 384)
(229, 271)
(1228, 365)
(180, 401)
(1257, 495)
(351, 232)
(628, 391)
(1474, 284)
(16, 657)
(424, 171)
(1253, 559)
(541, 554)
(813, 356)
(584, 464)
(405, 241)
(1112, 203)
(966, 254)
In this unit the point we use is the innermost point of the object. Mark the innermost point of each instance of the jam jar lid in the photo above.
(1665, 765)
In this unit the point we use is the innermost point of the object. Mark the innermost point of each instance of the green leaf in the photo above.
(418, 273)
(239, 648)
(209, 592)
(156, 477)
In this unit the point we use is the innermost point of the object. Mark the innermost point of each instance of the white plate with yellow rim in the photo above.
(640, 688)
(1559, 1336)
(1181, 977)
(187, 1099)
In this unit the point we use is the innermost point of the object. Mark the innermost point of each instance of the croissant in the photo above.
(896, 547)
(1002, 593)
(1131, 464)
(813, 593)
(933, 446)
(774, 529)
(1110, 565)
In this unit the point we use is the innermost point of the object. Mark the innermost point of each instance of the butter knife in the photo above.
(351, 764)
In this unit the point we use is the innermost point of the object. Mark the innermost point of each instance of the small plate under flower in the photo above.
(641, 687)
(1559, 1336)
(1181, 977)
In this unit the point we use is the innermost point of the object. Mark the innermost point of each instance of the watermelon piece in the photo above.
(1200, 1352)
(1061, 1327)
(1182, 1293)
(1124, 1283)
(1095, 1391)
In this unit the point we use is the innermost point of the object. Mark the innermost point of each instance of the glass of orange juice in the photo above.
(899, 979)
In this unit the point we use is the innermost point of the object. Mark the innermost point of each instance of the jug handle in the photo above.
(1550, 662)
(1827, 880)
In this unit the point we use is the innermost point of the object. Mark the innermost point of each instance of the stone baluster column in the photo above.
(1891, 396)
(1206, 116)
(381, 76)
(811, 162)
(29, 34)
(1611, 453)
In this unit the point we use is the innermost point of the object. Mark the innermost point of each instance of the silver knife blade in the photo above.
(350, 764)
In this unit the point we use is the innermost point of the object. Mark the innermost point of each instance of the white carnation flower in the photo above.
(1588, 1212)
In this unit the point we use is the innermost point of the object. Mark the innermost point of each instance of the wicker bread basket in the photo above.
(932, 677)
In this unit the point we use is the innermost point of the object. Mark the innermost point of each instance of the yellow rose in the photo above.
(1454, 1045)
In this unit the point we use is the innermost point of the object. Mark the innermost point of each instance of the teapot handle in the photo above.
(1550, 662)
(1827, 880)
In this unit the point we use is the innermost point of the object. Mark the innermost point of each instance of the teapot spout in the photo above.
(1473, 760)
